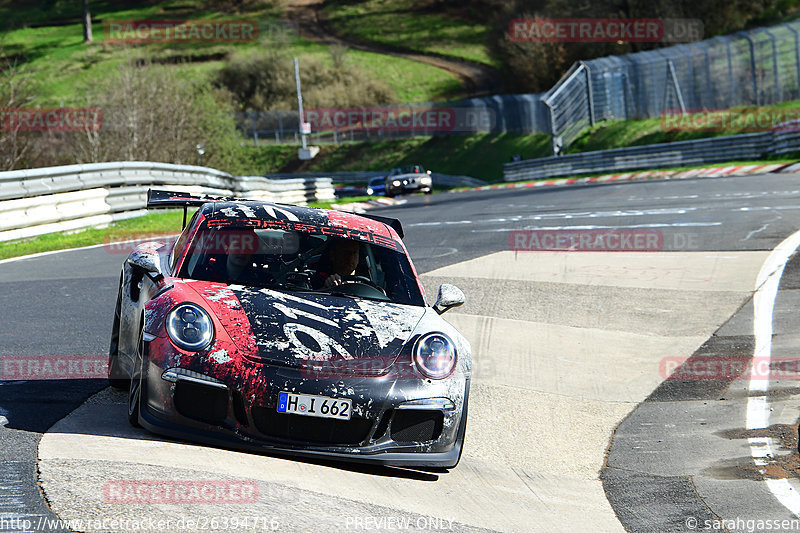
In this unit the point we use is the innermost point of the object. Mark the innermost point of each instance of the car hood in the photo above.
(295, 329)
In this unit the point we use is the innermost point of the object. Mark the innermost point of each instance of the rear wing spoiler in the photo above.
(158, 198)
(391, 222)
(161, 199)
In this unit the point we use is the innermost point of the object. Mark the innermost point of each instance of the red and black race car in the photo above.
(292, 329)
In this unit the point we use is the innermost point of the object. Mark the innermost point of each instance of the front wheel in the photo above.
(137, 385)
(114, 371)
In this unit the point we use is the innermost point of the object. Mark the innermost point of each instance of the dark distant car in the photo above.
(348, 190)
(413, 178)
(227, 336)
(377, 186)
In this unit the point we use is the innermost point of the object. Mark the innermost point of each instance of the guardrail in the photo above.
(362, 178)
(55, 199)
(749, 146)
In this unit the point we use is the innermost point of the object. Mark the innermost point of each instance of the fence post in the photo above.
(731, 86)
(252, 115)
(796, 56)
(676, 85)
(709, 89)
(589, 96)
(775, 75)
(550, 114)
(625, 87)
(691, 90)
(752, 65)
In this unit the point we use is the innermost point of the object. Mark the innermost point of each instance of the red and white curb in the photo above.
(795, 167)
(360, 207)
(709, 172)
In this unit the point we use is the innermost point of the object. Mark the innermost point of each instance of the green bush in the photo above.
(265, 81)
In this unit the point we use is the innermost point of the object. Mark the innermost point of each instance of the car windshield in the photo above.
(301, 261)
(413, 169)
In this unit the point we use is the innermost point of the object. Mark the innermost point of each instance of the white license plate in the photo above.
(310, 405)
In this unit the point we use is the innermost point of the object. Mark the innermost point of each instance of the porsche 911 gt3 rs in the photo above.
(290, 329)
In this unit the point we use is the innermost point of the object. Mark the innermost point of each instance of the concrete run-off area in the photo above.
(565, 346)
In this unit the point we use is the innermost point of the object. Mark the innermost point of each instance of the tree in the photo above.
(87, 22)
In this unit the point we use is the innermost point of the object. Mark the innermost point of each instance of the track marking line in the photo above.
(764, 298)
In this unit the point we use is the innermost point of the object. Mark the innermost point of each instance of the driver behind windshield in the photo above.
(339, 261)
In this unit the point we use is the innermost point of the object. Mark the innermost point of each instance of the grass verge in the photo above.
(479, 156)
(409, 25)
(150, 225)
(51, 47)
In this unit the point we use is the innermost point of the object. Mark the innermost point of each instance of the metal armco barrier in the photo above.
(48, 200)
(750, 146)
(362, 177)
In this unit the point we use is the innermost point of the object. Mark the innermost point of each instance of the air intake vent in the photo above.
(201, 402)
(416, 425)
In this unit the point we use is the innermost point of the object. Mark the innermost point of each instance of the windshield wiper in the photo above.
(338, 293)
(356, 296)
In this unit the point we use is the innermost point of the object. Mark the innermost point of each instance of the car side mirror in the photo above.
(148, 262)
(449, 296)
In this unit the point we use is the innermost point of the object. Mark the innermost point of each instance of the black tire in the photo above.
(114, 370)
(137, 385)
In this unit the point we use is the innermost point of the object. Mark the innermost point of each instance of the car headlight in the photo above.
(190, 327)
(435, 355)
(396, 183)
(370, 191)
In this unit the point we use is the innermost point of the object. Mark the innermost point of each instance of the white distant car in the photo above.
(413, 178)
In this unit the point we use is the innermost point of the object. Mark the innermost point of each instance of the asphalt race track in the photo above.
(573, 423)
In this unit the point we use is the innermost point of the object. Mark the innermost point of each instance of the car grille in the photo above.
(309, 429)
(416, 425)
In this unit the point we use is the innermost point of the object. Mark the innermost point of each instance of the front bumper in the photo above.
(411, 186)
(398, 421)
